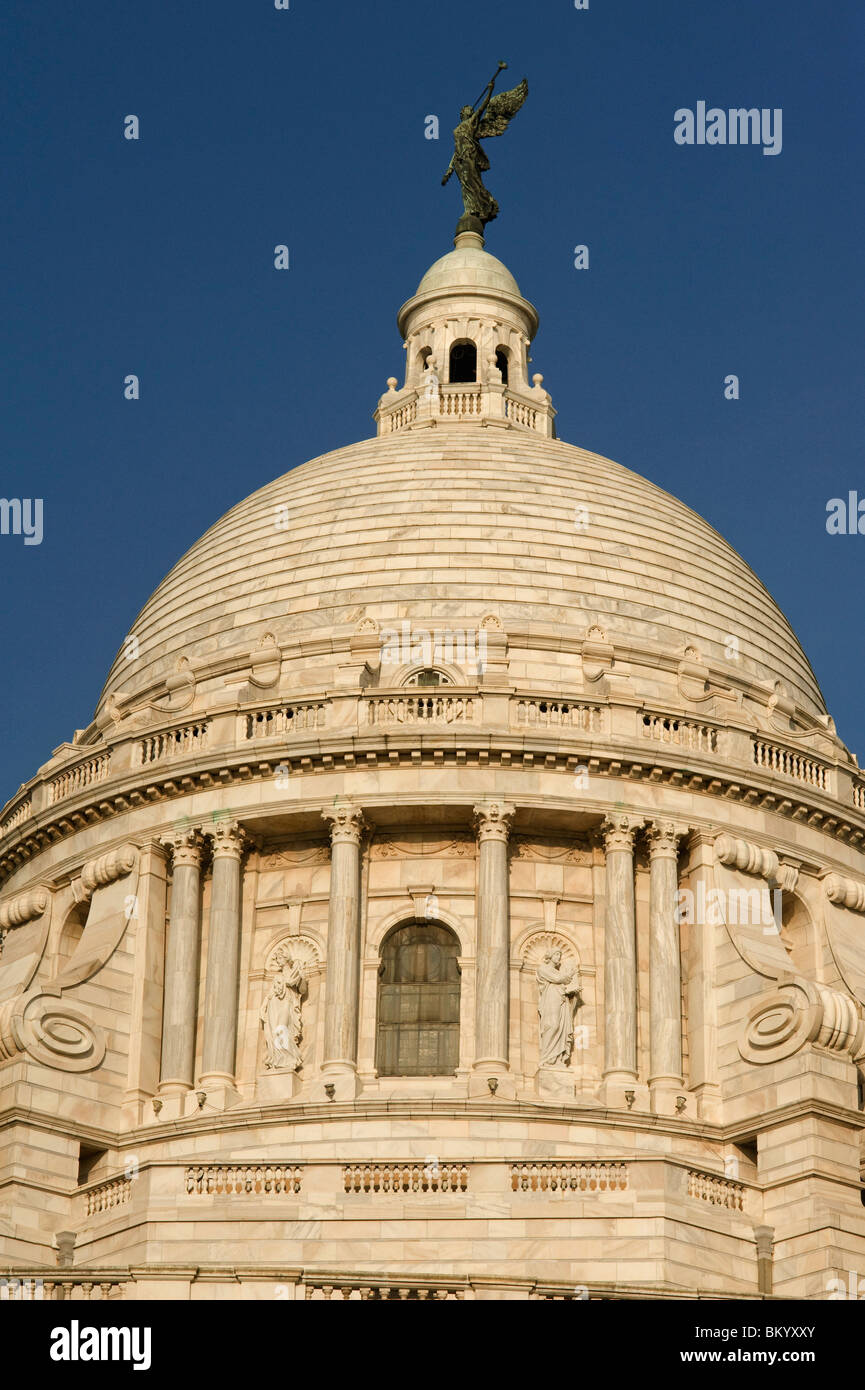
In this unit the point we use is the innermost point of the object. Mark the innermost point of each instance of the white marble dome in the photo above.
(468, 266)
(455, 523)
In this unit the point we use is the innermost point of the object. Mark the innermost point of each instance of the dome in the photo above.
(453, 524)
(468, 265)
(288, 889)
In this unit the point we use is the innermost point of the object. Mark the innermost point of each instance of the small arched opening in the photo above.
(428, 676)
(463, 362)
(418, 1016)
(502, 362)
(797, 933)
(70, 935)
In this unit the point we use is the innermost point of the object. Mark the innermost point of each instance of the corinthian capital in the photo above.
(619, 832)
(492, 819)
(663, 837)
(347, 823)
(185, 844)
(228, 839)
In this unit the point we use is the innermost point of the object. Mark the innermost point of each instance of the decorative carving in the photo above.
(186, 845)
(558, 999)
(420, 847)
(492, 820)
(695, 681)
(16, 911)
(619, 832)
(50, 1031)
(303, 951)
(663, 838)
(108, 867)
(797, 1013)
(228, 839)
(265, 663)
(598, 653)
(750, 859)
(548, 852)
(294, 858)
(347, 824)
(280, 1014)
(846, 892)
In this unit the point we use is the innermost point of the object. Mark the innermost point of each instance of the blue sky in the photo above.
(306, 127)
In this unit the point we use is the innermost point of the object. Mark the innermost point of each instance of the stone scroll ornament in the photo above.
(280, 1014)
(798, 1011)
(558, 996)
(745, 876)
(42, 1023)
(844, 916)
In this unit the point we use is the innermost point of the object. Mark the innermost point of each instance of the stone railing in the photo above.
(22, 812)
(561, 1176)
(556, 714)
(182, 742)
(58, 1287)
(770, 757)
(683, 733)
(721, 1192)
(405, 1177)
(283, 720)
(106, 1195)
(243, 1179)
(457, 402)
(236, 744)
(78, 778)
(423, 709)
(405, 1290)
(401, 418)
(521, 414)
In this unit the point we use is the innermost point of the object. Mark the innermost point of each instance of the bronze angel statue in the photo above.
(490, 116)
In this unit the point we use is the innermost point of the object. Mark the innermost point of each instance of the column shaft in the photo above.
(223, 957)
(181, 965)
(620, 949)
(665, 968)
(343, 938)
(492, 979)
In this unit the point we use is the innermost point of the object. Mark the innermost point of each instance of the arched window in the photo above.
(502, 363)
(418, 1032)
(463, 362)
(428, 676)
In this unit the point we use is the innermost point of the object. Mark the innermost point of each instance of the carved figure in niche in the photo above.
(281, 1014)
(558, 997)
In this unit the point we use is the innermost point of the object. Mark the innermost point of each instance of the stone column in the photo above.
(620, 957)
(342, 989)
(177, 1065)
(493, 938)
(701, 965)
(665, 968)
(146, 937)
(223, 957)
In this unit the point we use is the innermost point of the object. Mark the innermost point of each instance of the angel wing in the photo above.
(501, 110)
